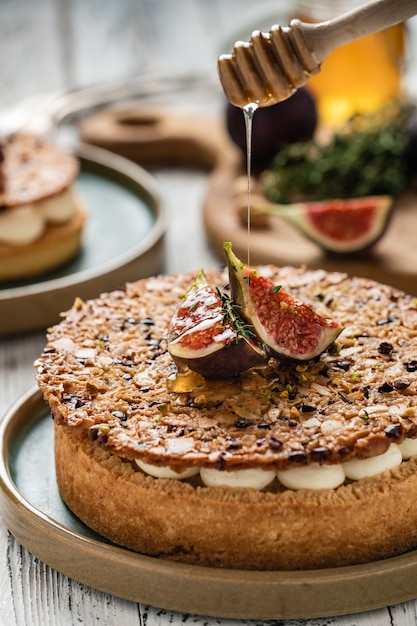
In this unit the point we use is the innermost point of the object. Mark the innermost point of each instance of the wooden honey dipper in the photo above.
(273, 65)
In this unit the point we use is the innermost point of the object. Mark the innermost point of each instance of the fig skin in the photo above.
(352, 226)
(304, 334)
(205, 337)
(292, 120)
(227, 362)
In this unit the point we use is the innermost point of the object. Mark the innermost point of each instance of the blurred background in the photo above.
(165, 52)
(50, 45)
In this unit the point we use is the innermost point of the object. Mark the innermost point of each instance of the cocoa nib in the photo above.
(243, 422)
(74, 400)
(386, 388)
(345, 397)
(320, 454)
(297, 456)
(274, 442)
(343, 364)
(119, 414)
(401, 385)
(385, 347)
(393, 431)
(307, 408)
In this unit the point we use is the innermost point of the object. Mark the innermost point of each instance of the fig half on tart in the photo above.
(218, 335)
(289, 328)
(207, 335)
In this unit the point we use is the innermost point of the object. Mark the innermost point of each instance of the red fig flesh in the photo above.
(208, 337)
(340, 226)
(287, 327)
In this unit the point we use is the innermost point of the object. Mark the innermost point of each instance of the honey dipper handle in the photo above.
(324, 37)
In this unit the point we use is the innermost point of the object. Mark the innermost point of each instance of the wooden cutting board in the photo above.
(155, 136)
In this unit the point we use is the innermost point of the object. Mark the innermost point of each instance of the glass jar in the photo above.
(360, 76)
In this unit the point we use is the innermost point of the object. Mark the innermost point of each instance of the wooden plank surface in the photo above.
(49, 45)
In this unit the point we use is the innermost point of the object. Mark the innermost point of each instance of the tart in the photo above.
(41, 215)
(288, 465)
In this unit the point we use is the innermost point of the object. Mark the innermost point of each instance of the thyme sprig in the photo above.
(367, 156)
(231, 314)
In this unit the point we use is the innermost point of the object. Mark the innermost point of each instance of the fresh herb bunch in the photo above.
(367, 156)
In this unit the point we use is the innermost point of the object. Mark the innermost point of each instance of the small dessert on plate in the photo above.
(41, 214)
(261, 418)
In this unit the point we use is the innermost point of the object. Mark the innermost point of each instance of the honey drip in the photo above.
(187, 380)
(248, 112)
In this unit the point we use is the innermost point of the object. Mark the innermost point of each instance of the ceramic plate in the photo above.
(34, 512)
(123, 241)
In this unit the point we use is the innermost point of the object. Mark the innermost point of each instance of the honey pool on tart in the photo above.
(231, 418)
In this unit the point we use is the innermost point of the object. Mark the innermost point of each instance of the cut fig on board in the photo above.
(288, 328)
(340, 226)
(207, 335)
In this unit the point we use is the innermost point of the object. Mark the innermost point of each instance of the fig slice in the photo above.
(341, 226)
(288, 328)
(207, 335)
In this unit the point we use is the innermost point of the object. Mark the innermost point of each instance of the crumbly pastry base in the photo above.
(58, 244)
(359, 522)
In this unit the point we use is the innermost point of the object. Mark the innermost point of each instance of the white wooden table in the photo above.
(46, 45)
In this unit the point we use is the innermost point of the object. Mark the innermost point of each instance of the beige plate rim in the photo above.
(187, 588)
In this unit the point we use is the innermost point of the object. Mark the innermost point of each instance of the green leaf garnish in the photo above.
(231, 314)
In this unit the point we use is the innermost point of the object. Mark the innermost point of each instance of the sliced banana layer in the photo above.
(313, 476)
(59, 208)
(21, 226)
(166, 472)
(362, 468)
(256, 478)
(24, 224)
(408, 448)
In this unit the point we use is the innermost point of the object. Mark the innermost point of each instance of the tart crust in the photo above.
(234, 528)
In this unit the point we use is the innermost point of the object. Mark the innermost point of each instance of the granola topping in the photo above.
(107, 374)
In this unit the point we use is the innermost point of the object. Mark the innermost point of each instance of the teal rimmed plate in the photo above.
(123, 241)
(35, 514)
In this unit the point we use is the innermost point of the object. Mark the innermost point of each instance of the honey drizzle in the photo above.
(248, 112)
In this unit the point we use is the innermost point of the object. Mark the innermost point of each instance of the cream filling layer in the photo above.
(312, 476)
(24, 224)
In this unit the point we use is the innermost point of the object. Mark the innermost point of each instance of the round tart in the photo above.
(229, 473)
(41, 215)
